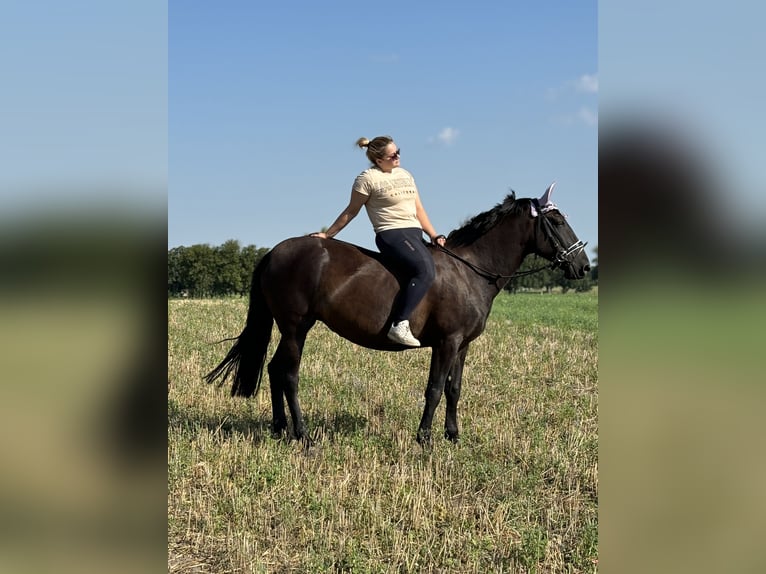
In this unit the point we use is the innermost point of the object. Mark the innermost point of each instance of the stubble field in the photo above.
(518, 493)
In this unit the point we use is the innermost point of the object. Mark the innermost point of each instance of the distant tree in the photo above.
(228, 269)
(579, 285)
(536, 280)
(249, 257)
(176, 280)
(200, 270)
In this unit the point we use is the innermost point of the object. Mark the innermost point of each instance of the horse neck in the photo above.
(502, 249)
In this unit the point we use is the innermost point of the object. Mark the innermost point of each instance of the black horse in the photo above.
(352, 290)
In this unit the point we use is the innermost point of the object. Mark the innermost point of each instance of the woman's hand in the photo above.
(439, 240)
(320, 234)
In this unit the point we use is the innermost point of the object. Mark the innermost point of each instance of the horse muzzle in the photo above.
(573, 261)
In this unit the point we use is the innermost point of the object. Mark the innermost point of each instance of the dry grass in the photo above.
(517, 494)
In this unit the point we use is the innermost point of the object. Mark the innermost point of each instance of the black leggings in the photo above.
(406, 248)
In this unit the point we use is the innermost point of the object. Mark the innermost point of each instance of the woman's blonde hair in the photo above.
(376, 148)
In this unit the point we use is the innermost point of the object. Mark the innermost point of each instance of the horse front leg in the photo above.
(454, 383)
(442, 359)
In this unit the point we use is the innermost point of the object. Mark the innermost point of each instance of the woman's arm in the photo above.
(352, 209)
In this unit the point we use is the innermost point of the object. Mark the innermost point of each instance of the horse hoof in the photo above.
(307, 443)
(424, 437)
(278, 433)
(451, 436)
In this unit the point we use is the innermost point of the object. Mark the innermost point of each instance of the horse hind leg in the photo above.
(276, 383)
(283, 378)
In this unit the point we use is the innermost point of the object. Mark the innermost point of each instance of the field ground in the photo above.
(518, 493)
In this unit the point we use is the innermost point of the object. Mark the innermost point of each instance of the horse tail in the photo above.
(246, 358)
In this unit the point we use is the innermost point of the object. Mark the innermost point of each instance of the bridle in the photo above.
(564, 255)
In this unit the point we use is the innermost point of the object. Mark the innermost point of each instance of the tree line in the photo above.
(203, 271)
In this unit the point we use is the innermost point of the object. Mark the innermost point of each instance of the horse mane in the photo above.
(482, 223)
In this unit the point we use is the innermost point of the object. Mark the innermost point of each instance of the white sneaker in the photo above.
(400, 333)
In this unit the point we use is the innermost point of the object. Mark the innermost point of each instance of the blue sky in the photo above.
(266, 100)
(247, 113)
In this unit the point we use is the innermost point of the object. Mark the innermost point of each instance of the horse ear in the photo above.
(546, 197)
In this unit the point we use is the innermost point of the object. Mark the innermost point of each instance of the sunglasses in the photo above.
(395, 155)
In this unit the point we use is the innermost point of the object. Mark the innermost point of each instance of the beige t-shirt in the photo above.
(391, 198)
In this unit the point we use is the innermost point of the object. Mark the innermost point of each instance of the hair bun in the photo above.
(362, 142)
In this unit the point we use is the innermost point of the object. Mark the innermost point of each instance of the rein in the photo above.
(492, 277)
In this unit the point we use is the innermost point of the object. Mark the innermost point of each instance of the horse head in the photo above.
(556, 240)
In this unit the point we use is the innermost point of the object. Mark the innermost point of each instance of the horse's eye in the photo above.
(557, 221)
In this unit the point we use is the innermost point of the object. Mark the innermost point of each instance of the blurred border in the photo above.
(681, 288)
(83, 196)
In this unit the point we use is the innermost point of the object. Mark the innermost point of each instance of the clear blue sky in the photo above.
(266, 100)
(247, 111)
